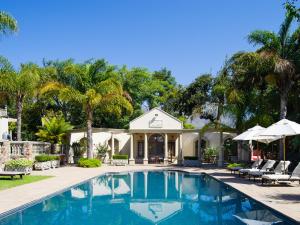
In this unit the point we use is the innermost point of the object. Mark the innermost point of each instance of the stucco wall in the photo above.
(3, 127)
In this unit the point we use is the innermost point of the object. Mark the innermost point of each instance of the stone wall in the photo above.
(22, 149)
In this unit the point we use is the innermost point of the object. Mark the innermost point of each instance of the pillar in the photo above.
(176, 149)
(145, 160)
(166, 150)
(131, 159)
(145, 184)
(112, 144)
(180, 153)
(199, 148)
(221, 152)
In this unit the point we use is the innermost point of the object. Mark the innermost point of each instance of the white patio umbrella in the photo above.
(282, 129)
(253, 134)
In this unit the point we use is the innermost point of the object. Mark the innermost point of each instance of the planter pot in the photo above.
(42, 165)
(191, 163)
(55, 163)
(120, 162)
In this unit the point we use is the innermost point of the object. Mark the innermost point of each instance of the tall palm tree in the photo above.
(92, 85)
(18, 85)
(284, 49)
(8, 24)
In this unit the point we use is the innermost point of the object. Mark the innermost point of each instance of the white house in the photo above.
(154, 137)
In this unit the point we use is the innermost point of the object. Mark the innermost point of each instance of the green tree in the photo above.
(92, 85)
(283, 49)
(8, 24)
(17, 86)
(54, 128)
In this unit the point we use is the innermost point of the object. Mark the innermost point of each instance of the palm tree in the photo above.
(8, 24)
(18, 85)
(283, 49)
(92, 85)
(54, 129)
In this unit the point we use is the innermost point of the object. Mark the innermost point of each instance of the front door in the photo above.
(156, 148)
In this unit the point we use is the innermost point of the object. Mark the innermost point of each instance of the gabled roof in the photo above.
(156, 108)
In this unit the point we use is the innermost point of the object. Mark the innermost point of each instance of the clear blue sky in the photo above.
(189, 37)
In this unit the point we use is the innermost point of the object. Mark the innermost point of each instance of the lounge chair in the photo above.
(266, 167)
(295, 176)
(255, 165)
(281, 168)
(11, 174)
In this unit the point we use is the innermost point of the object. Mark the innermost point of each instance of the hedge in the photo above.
(18, 163)
(233, 165)
(190, 157)
(120, 156)
(89, 163)
(45, 158)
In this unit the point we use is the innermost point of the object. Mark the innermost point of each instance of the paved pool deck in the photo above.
(284, 198)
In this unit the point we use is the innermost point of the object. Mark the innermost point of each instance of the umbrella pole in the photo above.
(284, 155)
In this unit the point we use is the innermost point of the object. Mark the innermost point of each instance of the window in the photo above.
(140, 149)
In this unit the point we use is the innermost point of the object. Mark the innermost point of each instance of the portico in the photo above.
(156, 137)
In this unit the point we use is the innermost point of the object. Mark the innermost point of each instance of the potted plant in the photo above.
(102, 151)
(210, 154)
(44, 162)
(191, 161)
(120, 160)
(19, 165)
(79, 149)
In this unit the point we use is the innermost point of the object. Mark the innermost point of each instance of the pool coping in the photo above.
(184, 170)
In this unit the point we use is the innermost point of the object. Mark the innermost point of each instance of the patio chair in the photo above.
(281, 168)
(254, 165)
(266, 167)
(295, 176)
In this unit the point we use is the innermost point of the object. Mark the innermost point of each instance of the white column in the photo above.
(166, 184)
(221, 152)
(131, 184)
(176, 149)
(145, 184)
(199, 148)
(145, 149)
(131, 159)
(166, 150)
(180, 153)
(112, 145)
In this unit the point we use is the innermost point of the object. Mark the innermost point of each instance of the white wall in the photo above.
(103, 138)
(155, 116)
(3, 126)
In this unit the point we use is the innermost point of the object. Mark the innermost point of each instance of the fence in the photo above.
(17, 149)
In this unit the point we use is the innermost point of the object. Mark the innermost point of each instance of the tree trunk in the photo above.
(19, 117)
(283, 113)
(89, 133)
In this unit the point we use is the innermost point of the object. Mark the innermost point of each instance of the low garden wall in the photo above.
(22, 149)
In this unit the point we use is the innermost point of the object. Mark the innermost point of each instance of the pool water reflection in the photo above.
(133, 198)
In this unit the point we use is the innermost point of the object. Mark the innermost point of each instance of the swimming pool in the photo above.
(147, 197)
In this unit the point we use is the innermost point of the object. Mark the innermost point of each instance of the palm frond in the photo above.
(8, 24)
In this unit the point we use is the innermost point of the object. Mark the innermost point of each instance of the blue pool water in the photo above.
(166, 197)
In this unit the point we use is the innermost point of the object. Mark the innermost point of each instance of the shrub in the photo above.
(79, 148)
(190, 157)
(233, 165)
(89, 163)
(18, 163)
(45, 158)
(120, 156)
